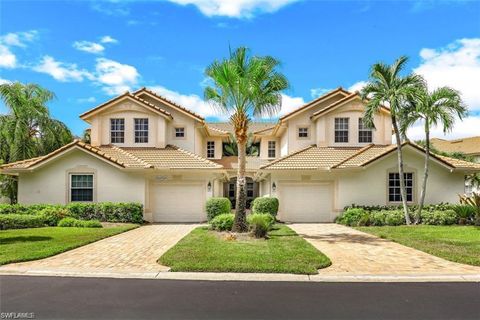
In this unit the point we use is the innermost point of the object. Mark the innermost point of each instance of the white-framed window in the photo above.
(141, 130)
(394, 194)
(303, 132)
(249, 189)
(210, 149)
(341, 129)
(81, 187)
(272, 149)
(365, 134)
(179, 132)
(117, 130)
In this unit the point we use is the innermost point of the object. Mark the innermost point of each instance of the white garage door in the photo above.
(306, 202)
(178, 202)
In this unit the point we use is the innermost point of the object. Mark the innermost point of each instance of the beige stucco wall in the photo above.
(50, 183)
(264, 147)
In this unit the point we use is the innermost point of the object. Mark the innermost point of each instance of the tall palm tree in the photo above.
(244, 86)
(387, 87)
(27, 130)
(438, 108)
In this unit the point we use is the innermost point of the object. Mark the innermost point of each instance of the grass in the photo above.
(37, 243)
(455, 243)
(206, 251)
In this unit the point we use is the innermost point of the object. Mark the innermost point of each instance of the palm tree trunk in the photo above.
(425, 172)
(403, 190)
(240, 223)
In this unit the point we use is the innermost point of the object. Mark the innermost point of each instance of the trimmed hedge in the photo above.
(446, 217)
(265, 205)
(222, 222)
(72, 222)
(102, 211)
(216, 206)
(412, 208)
(52, 215)
(20, 221)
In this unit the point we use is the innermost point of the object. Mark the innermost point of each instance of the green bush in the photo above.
(265, 205)
(222, 222)
(72, 222)
(377, 218)
(412, 208)
(20, 221)
(216, 206)
(464, 212)
(52, 215)
(446, 217)
(260, 223)
(394, 218)
(107, 211)
(351, 217)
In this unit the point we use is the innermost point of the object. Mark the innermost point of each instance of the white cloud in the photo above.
(19, 39)
(108, 39)
(317, 92)
(466, 128)
(456, 65)
(115, 77)
(7, 58)
(88, 46)
(235, 8)
(290, 103)
(3, 81)
(61, 71)
(84, 100)
(357, 86)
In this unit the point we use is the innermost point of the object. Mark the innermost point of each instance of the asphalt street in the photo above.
(96, 298)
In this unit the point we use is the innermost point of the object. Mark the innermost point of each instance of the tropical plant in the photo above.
(474, 202)
(387, 87)
(437, 108)
(244, 86)
(231, 148)
(27, 130)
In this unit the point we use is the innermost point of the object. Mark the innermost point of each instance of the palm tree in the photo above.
(231, 148)
(438, 108)
(244, 86)
(27, 130)
(387, 87)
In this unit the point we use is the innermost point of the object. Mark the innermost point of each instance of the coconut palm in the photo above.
(27, 130)
(386, 87)
(438, 108)
(244, 86)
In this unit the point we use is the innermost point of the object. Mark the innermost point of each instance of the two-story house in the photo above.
(316, 160)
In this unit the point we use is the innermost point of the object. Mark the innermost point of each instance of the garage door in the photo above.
(306, 202)
(178, 202)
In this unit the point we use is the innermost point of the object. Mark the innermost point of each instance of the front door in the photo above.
(231, 191)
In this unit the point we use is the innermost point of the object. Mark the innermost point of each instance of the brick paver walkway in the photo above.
(355, 252)
(135, 251)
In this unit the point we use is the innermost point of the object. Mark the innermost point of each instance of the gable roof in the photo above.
(169, 103)
(469, 146)
(252, 126)
(127, 95)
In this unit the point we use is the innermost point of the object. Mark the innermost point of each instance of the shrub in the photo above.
(222, 222)
(464, 212)
(20, 221)
(351, 217)
(52, 215)
(265, 205)
(107, 211)
(394, 218)
(377, 218)
(216, 206)
(446, 217)
(72, 222)
(260, 223)
(412, 208)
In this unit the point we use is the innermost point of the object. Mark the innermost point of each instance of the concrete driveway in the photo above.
(132, 252)
(356, 253)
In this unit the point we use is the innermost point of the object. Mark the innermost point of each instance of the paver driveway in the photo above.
(134, 251)
(355, 252)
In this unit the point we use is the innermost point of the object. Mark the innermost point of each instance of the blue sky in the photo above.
(89, 51)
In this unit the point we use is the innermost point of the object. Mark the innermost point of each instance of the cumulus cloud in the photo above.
(115, 77)
(3, 81)
(456, 65)
(61, 71)
(357, 86)
(108, 39)
(14, 39)
(88, 46)
(290, 103)
(466, 128)
(7, 58)
(237, 8)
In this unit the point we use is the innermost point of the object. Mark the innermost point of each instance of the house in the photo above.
(316, 160)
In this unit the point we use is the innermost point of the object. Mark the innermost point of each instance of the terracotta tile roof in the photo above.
(131, 96)
(216, 130)
(231, 162)
(168, 102)
(253, 126)
(469, 146)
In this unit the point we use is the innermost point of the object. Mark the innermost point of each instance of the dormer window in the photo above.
(180, 132)
(303, 133)
(364, 132)
(271, 149)
(341, 130)
(210, 149)
(141, 130)
(117, 130)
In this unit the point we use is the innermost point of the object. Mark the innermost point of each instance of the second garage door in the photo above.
(306, 202)
(178, 202)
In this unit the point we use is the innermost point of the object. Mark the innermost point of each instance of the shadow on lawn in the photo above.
(346, 237)
(11, 240)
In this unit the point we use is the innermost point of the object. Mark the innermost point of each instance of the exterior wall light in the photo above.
(274, 186)
(209, 186)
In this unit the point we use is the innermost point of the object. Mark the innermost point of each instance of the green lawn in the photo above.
(455, 243)
(36, 243)
(284, 252)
